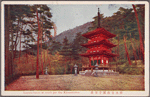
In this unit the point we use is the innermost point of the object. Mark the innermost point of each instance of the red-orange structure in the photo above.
(98, 47)
(55, 30)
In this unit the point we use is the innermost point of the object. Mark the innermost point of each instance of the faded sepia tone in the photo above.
(104, 52)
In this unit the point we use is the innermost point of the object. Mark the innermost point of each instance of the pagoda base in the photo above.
(99, 73)
(106, 67)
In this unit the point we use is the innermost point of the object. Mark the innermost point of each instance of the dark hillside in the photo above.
(71, 34)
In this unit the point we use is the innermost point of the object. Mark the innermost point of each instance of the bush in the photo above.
(120, 61)
(59, 70)
(130, 69)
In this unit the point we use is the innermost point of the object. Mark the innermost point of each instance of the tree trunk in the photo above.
(41, 50)
(20, 47)
(42, 64)
(32, 62)
(20, 41)
(44, 57)
(37, 62)
(118, 45)
(12, 49)
(139, 29)
(7, 18)
(134, 53)
(126, 50)
(116, 60)
(49, 61)
(44, 50)
(15, 44)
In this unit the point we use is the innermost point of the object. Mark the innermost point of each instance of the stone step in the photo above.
(105, 73)
(99, 73)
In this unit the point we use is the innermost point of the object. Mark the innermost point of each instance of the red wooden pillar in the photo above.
(97, 59)
(90, 60)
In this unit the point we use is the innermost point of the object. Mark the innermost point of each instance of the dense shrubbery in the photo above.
(130, 69)
(118, 62)
(123, 67)
(56, 64)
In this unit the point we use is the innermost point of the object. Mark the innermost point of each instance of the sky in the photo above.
(67, 17)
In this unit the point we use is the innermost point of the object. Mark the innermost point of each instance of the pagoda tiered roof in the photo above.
(104, 41)
(99, 46)
(98, 31)
(104, 53)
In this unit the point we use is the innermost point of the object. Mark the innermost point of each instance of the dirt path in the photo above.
(71, 82)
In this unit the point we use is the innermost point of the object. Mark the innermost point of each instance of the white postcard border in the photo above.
(81, 93)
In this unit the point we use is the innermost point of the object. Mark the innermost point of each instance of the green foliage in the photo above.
(123, 23)
(54, 47)
(20, 16)
(121, 61)
(76, 47)
(66, 49)
(130, 69)
(58, 70)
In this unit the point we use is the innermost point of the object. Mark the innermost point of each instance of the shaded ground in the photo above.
(71, 82)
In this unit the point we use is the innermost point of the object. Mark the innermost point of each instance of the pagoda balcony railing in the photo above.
(96, 39)
(92, 41)
(96, 50)
(100, 65)
(103, 64)
(103, 67)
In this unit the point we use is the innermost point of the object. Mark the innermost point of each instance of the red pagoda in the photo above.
(99, 48)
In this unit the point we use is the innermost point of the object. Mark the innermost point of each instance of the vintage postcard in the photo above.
(74, 48)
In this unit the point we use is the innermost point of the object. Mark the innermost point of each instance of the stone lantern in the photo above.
(75, 68)
(46, 73)
(96, 70)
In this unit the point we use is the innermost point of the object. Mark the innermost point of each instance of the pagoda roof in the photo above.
(107, 54)
(98, 31)
(104, 41)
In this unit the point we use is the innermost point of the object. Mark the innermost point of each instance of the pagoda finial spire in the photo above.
(98, 19)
